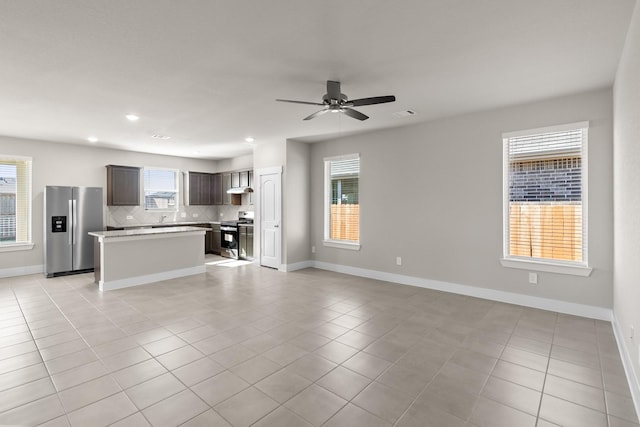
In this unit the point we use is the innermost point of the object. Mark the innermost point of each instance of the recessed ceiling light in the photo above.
(249, 139)
(132, 117)
(158, 136)
(92, 139)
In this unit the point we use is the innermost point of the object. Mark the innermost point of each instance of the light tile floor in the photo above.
(252, 346)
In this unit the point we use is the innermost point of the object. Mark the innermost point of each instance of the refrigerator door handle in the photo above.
(74, 216)
(70, 214)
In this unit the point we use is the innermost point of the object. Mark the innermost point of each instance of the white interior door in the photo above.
(270, 219)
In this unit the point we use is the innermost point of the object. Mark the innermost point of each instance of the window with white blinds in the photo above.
(15, 201)
(160, 189)
(545, 195)
(342, 199)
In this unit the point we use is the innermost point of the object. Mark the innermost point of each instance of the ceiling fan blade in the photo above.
(370, 101)
(355, 114)
(333, 89)
(316, 114)
(299, 102)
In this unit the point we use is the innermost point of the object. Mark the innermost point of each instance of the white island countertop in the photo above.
(139, 232)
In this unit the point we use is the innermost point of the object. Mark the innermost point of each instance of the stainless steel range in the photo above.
(230, 234)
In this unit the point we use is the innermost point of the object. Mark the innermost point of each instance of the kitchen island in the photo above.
(126, 258)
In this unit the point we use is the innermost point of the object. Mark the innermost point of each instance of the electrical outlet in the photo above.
(195, 215)
(221, 214)
(313, 249)
(129, 216)
(398, 260)
(183, 214)
(533, 278)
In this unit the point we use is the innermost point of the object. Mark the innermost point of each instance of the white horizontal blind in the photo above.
(160, 189)
(546, 144)
(545, 196)
(15, 200)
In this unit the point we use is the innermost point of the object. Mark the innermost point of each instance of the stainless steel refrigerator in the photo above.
(69, 214)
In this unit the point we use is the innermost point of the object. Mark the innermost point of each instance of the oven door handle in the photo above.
(228, 229)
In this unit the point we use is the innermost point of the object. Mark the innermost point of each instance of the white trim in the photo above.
(590, 311)
(632, 377)
(14, 247)
(526, 264)
(342, 157)
(342, 244)
(268, 171)
(150, 278)
(327, 199)
(296, 266)
(547, 129)
(585, 193)
(22, 271)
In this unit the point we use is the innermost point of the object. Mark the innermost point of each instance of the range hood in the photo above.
(240, 190)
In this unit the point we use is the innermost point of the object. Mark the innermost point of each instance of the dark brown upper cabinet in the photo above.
(200, 188)
(123, 185)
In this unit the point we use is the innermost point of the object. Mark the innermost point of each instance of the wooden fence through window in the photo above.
(551, 231)
(345, 222)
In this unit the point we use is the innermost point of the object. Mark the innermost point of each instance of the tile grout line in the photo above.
(41, 359)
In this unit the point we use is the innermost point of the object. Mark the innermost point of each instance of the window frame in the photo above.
(176, 173)
(28, 244)
(544, 264)
(327, 241)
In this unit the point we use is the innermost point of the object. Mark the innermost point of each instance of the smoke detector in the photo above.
(404, 113)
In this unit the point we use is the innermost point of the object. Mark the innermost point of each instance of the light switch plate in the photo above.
(533, 278)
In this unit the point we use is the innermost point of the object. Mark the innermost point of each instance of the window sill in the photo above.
(15, 247)
(574, 270)
(352, 246)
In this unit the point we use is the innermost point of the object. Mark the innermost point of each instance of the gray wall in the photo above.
(432, 194)
(296, 244)
(626, 289)
(293, 157)
(65, 164)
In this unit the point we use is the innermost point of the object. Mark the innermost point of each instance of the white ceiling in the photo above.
(207, 72)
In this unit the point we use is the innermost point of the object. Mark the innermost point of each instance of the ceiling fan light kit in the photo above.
(335, 101)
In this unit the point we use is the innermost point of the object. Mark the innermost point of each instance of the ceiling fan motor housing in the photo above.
(333, 101)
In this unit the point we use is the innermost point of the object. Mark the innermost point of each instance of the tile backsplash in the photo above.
(117, 215)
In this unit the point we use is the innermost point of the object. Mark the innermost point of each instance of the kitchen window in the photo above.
(160, 189)
(15, 203)
(342, 202)
(545, 199)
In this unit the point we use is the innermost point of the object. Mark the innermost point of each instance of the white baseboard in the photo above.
(21, 271)
(593, 312)
(296, 266)
(150, 278)
(632, 378)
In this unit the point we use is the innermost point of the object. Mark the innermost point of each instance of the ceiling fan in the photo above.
(337, 102)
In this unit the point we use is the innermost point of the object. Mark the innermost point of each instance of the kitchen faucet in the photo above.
(162, 218)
